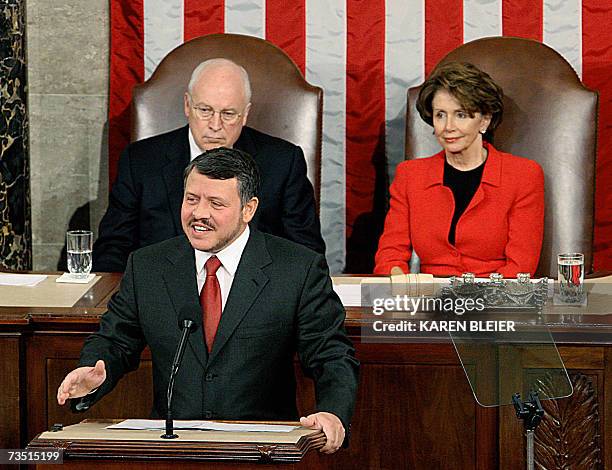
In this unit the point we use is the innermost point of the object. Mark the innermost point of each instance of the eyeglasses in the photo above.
(206, 113)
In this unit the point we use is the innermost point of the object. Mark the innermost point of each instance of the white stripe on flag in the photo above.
(246, 17)
(404, 68)
(563, 30)
(481, 18)
(326, 67)
(163, 31)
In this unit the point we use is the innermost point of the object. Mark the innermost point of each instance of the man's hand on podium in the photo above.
(81, 381)
(331, 426)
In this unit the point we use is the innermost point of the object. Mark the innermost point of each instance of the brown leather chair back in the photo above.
(549, 117)
(283, 103)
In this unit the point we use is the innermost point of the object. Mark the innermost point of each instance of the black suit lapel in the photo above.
(247, 143)
(178, 157)
(182, 286)
(248, 283)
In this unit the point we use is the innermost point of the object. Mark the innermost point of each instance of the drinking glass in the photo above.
(79, 244)
(571, 277)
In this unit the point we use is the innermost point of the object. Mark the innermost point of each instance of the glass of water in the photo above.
(571, 277)
(79, 245)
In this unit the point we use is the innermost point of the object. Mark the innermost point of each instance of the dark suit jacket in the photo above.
(281, 301)
(145, 201)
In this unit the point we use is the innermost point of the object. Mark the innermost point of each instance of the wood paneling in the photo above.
(580, 357)
(606, 412)
(412, 416)
(560, 445)
(408, 415)
(50, 358)
(573, 421)
(12, 402)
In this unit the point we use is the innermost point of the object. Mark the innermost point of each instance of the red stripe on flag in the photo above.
(365, 103)
(596, 72)
(126, 70)
(201, 18)
(443, 30)
(286, 27)
(523, 18)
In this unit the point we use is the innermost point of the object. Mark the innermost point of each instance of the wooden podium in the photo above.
(414, 410)
(89, 444)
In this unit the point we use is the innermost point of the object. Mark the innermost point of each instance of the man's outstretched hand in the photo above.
(331, 426)
(81, 381)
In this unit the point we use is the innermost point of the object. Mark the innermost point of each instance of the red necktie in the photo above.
(210, 300)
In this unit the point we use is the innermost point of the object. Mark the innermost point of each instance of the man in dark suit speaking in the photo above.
(145, 200)
(263, 298)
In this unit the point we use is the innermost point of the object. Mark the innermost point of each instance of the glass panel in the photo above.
(500, 363)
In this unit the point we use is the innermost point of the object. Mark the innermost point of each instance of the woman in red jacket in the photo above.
(469, 208)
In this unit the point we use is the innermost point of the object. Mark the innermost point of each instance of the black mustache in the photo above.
(206, 222)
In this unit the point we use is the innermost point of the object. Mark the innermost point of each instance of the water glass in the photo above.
(571, 277)
(79, 244)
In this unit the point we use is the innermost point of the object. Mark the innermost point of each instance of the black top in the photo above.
(463, 184)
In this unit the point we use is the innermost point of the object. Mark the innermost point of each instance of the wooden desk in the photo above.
(21, 330)
(414, 408)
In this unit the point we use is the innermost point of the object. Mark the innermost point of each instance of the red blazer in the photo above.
(500, 231)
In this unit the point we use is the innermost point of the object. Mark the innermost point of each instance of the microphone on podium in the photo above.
(187, 324)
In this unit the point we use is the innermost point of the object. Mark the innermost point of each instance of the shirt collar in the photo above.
(194, 150)
(229, 256)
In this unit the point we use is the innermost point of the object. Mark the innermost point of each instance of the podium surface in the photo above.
(90, 442)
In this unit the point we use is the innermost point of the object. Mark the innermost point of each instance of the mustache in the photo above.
(207, 222)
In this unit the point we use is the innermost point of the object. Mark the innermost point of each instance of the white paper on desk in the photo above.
(350, 294)
(158, 424)
(21, 280)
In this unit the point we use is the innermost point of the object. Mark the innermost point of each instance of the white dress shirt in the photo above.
(229, 257)
(194, 150)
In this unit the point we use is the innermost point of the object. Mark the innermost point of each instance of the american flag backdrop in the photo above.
(365, 54)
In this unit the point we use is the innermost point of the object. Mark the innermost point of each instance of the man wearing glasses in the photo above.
(144, 204)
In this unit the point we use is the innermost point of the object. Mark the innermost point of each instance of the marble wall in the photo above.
(67, 51)
(15, 231)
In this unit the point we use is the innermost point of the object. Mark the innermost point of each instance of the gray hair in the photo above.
(223, 164)
(195, 75)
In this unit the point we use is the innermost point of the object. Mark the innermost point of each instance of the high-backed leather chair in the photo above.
(283, 103)
(549, 117)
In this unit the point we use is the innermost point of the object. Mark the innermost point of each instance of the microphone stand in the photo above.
(531, 412)
(176, 363)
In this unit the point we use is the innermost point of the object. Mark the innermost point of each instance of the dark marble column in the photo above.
(15, 228)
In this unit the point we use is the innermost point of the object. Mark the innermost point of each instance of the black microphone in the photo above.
(186, 323)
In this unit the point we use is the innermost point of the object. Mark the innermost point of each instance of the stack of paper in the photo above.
(21, 280)
(158, 424)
